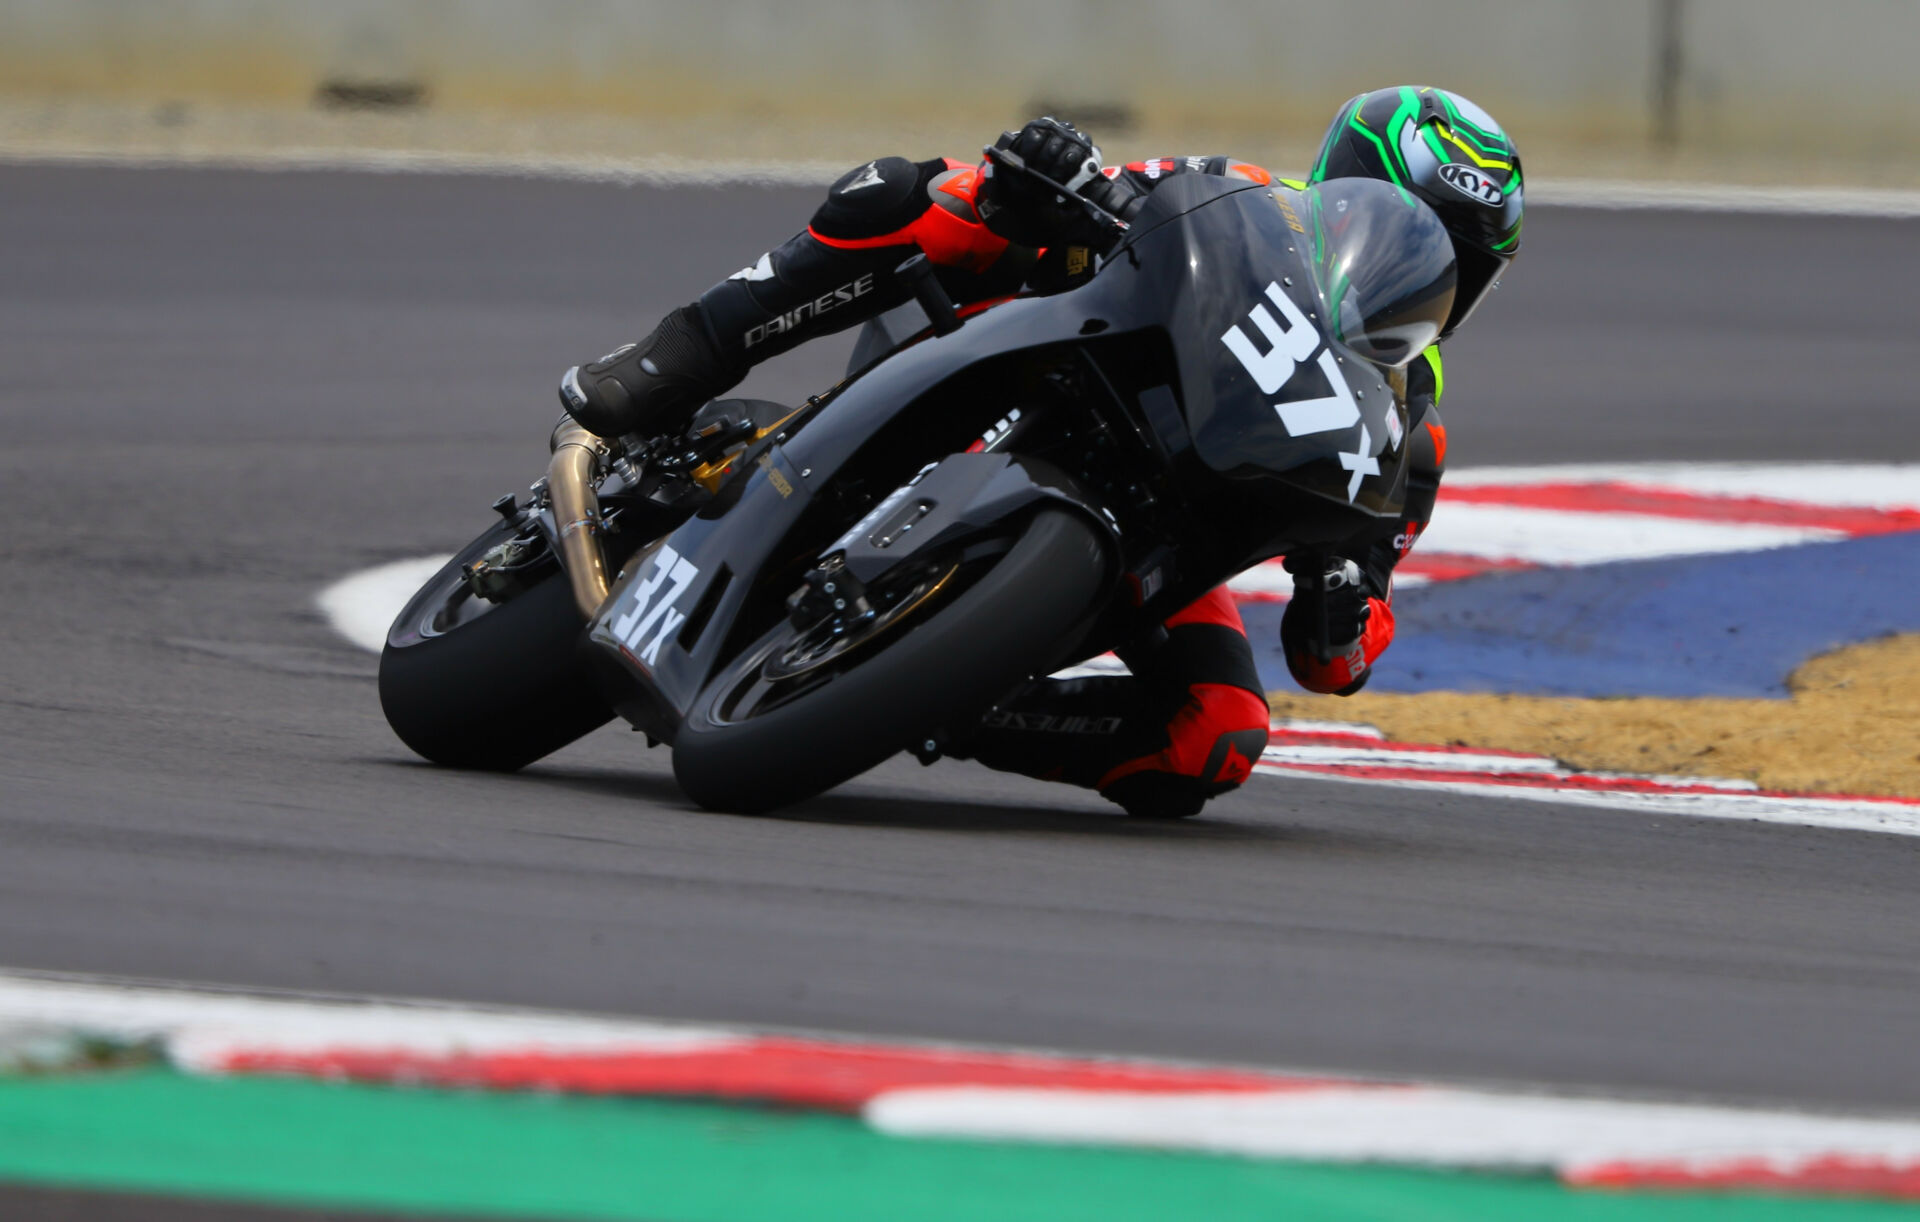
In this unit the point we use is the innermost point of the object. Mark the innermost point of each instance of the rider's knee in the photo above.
(1225, 729)
(872, 201)
(1213, 743)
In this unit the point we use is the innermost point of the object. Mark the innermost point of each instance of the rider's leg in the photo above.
(831, 275)
(1186, 726)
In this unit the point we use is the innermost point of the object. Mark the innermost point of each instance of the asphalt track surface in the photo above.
(222, 390)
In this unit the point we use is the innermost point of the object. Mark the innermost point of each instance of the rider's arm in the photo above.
(838, 271)
(1368, 609)
(1136, 179)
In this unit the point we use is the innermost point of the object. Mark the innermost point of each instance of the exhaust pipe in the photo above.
(576, 512)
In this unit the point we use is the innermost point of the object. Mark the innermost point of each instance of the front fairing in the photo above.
(1222, 268)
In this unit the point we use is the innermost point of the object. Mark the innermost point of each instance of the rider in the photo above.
(1191, 718)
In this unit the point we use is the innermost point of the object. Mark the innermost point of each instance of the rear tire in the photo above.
(947, 667)
(493, 687)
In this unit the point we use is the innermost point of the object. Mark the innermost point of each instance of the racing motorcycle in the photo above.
(790, 594)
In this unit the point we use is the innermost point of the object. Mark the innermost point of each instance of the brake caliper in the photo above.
(504, 569)
(829, 593)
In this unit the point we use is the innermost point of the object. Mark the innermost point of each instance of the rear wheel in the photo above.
(474, 684)
(797, 713)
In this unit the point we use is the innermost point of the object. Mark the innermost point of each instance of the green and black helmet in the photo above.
(1453, 156)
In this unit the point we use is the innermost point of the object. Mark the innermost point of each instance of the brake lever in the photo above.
(1007, 159)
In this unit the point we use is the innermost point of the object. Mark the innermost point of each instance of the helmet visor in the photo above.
(1479, 272)
(1384, 265)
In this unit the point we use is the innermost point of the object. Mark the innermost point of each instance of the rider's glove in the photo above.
(1343, 588)
(1026, 213)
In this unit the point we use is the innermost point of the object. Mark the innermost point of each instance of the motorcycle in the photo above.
(799, 592)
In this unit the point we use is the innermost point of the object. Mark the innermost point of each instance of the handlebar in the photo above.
(917, 274)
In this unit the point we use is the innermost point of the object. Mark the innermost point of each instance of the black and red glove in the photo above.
(1026, 212)
(1327, 649)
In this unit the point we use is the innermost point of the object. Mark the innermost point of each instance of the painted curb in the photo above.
(928, 1090)
(1347, 752)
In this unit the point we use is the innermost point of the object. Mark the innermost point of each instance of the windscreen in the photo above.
(1383, 263)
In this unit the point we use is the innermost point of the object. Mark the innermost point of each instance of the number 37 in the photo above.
(1289, 347)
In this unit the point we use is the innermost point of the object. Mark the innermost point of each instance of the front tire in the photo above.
(950, 663)
(472, 684)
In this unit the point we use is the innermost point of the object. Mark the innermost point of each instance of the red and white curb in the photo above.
(1502, 519)
(1343, 752)
(927, 1090)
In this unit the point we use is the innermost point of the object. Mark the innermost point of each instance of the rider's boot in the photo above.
(653, 386)
(1185, 727)
(1113, 735)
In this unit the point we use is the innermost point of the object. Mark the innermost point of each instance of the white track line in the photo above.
(1578, 537)
(1887, 202)
(1888, 818)
(362, 605)
(1861, 485)
(698, 172)
(1434, 1126)
(201, 1027)
(660, 171)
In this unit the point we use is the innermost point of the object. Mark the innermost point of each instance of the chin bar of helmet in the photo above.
(576, 513)
(1013, 163)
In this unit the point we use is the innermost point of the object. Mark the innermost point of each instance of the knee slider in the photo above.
(1159, 795)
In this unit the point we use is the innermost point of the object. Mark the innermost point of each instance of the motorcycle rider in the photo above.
(1191, 718)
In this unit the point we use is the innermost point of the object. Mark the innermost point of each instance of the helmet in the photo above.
(1452, 155)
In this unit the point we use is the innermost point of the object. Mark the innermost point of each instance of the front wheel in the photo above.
(789, 718)
(474, 684)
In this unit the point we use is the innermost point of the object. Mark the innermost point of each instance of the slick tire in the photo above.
(947, 667)
(497, 691)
